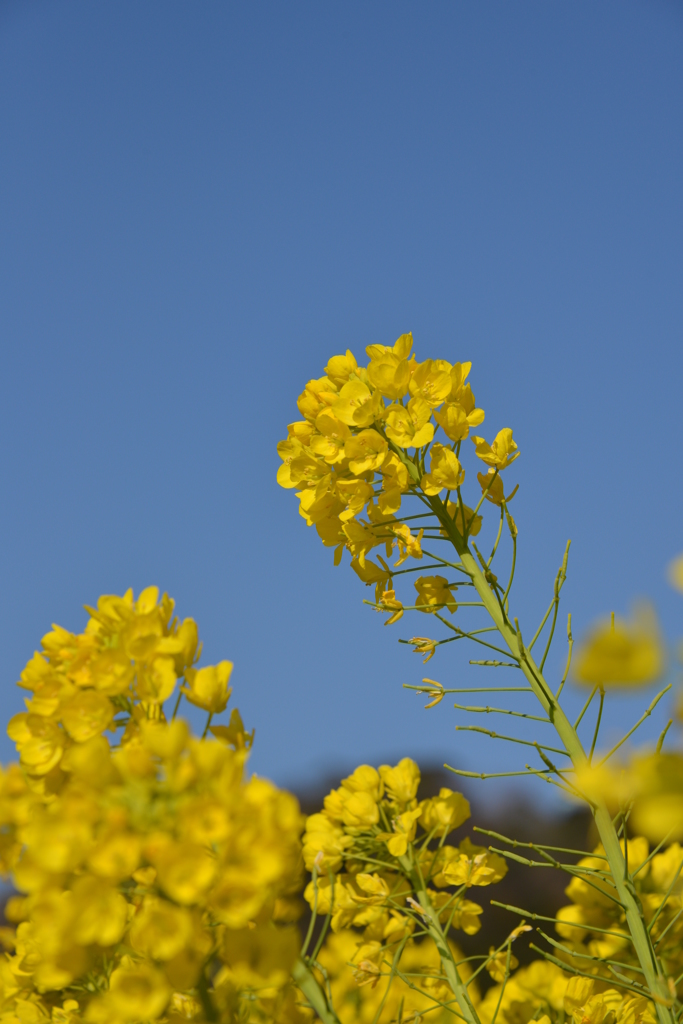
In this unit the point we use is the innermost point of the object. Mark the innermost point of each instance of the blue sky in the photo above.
(200, 203)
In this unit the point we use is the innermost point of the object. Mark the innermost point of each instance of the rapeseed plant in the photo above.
(374, 476)
(156, 880)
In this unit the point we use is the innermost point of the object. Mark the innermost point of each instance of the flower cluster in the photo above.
(155, 880)
(543, 992)
(364, 443)
(365, 988)
(385, 877)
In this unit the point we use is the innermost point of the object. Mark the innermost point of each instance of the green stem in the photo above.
(569, 737)
(305, 979)
(436, 932)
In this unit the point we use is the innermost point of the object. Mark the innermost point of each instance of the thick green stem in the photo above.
(572, 744)
(305, 979)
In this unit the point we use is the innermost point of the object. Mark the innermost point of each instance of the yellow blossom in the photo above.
(316, 510)
(658, 783)
(500, 964)
(401, 781)
(329, 443)
(259, 957)
(360, 538)
(309, 473)
(113, 672)
(86, 714)
(185, 871)
(445, 812)
(395, 482)
(501, 453)
(436, 691)
(423, 645)
(365, 779)
(101, 913)
(322, 836)
(434, 593)
(390, 374)
(404, 832)
(160, 930)
(620, 652)
(116, 855)
(388, 602)
(452, 419)
(359, 810)
(401, 347)
(492, 484)
(409, 426)
(301, 430)
(288, 451)
(142, 852)
(357, 405)
(365, 451)
(459, 374)
(370, 573)
(317, 394)
(445, 471)
(355, 494)
(39, 740)
(431, 383)
(156, 680)
(409, 546)
(340, 368)
(466, 916)
(137, 992)
(208, 687)
(468, 865)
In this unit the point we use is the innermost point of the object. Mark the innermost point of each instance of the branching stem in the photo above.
(653, 973)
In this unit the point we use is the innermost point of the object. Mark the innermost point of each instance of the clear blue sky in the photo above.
(200, 202)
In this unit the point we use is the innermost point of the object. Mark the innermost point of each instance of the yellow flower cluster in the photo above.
(543, 992)
(366, 986)
(363, 445)
(381, 868)
(383, 874)
(155, 880)
(128, 661)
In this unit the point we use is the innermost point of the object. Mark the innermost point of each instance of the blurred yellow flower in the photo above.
(444, 812)
(676, 573)
(208, 687)
(401, 781)
(618, 652)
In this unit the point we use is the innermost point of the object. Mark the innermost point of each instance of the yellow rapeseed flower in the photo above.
(208, 687)
(401, 782)
(434, 593)
(409, 426)
(445, 812)
(500, 453)
(431, 383)
(445, 471)
(618, 652)
(365, 451)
